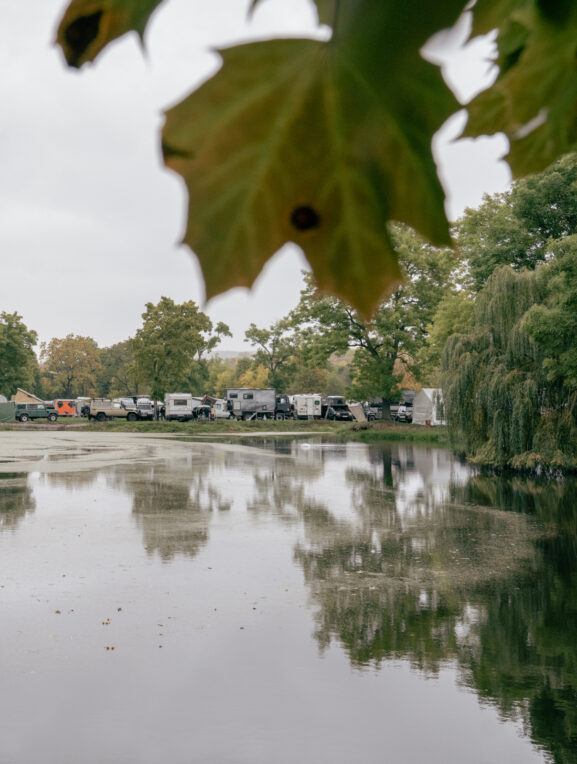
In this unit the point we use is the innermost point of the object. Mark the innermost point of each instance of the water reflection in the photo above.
(423, 559)
(406, 554)
(16, 499)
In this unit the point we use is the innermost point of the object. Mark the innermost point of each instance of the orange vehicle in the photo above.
(66, 407)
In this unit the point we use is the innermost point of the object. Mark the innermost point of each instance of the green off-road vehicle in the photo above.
(27, 411)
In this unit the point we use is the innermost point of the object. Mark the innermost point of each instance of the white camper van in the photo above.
(181, 406)
(307, 406)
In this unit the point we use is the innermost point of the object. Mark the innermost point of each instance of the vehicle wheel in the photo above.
(52, 417)
(279, 416)
(101, 416)
(131, 417)
(24, 417)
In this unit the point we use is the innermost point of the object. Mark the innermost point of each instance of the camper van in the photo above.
(181, 406)
(307, 406)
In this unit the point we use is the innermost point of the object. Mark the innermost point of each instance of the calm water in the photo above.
(287, 602)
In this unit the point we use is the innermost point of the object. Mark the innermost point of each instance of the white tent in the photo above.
(428, 407)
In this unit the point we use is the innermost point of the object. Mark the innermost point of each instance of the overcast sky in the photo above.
(89, 218)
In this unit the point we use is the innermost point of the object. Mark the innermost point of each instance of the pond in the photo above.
(281, 601)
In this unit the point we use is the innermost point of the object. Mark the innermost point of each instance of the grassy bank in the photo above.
(369, 432)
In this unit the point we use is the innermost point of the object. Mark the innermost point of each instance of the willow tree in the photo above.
(505, 404)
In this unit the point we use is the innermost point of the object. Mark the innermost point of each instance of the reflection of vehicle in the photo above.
(334, 407)
(26, 411)
(404, 413)
(102, 409)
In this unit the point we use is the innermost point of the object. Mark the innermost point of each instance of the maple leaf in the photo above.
(325, 9)
(89, 25)
(534, 100)
(318, 143)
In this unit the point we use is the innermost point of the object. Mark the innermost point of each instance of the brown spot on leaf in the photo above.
(305, 218)
(79, 35)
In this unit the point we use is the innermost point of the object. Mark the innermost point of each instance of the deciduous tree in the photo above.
(70, 366)
(171, 346)
(17, 359)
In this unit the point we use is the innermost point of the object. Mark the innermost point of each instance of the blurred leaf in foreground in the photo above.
(318, 143)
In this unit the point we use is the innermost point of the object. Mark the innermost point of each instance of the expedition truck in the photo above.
(258, 403)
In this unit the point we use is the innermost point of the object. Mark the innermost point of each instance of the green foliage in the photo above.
(553, 324)
(17, 359)
(514, 228)
(534, 99)
(505, 404)
(118, 377)
(391, 340)
(276, 350)
(171, 345)
(453, 315)
(70, 366)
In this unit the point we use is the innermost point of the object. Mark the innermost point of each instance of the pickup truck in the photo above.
(26, 411)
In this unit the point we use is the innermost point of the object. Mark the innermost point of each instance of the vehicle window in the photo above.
(180, 402)
(233, 395)
(248, 396)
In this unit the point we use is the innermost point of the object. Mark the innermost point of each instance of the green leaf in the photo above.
(534, 101)
(490, 14)
(325, 9)
(319, 144)
(89, 25)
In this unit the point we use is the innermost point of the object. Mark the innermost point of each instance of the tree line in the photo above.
(492, 321)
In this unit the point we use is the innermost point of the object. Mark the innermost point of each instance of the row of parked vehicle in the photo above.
(240, 403)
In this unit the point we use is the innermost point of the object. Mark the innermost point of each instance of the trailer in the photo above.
(65, 406)
(181, 406)
(307, 406)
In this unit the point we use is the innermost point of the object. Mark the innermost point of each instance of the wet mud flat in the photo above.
(187, 602)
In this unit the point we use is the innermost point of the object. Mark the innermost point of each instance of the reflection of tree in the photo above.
(72, 480)
(16, 499)
(466, 579)
(172, 505)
